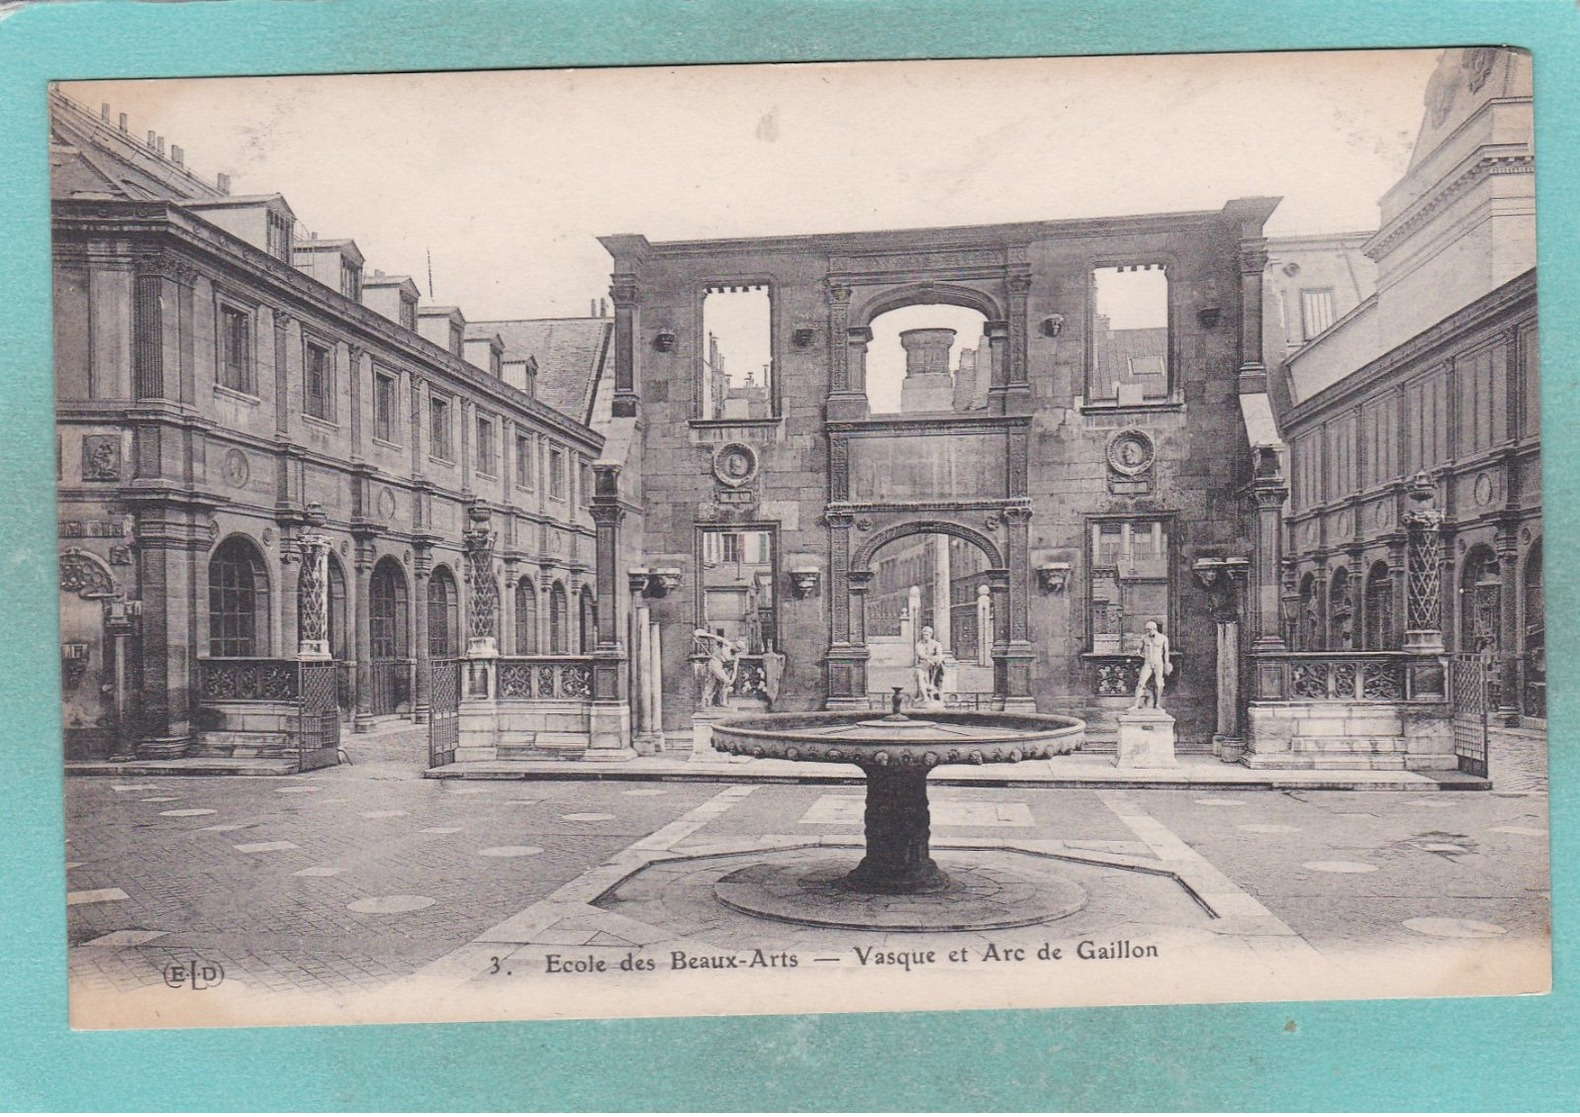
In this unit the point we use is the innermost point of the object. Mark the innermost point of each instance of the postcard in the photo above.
(800, 538)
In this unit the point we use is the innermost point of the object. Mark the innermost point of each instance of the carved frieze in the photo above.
(101, 457)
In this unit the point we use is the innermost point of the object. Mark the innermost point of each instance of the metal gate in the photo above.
(444, 712)
(1471, 700)
(318, 713)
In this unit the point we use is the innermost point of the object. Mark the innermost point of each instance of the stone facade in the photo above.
(231, 415)
(1067, 496)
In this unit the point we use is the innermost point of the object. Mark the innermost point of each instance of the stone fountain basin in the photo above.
(923, 739)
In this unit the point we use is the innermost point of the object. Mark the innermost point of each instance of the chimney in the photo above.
(927, 351)
(603, 308)
(159, 144)
(104, 112)
(123, 122)
(592, 308)
(222, 180)
(153, 140)
(178, 155)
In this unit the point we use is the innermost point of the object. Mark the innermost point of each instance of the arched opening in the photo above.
(559, 620)
(238, 600)
(1533, 611)
(1341, 613)
(444, 615)
(1308, 623)
(588, 620)
(930, 617)
(928, 358)
(339, 636)
(526, 617)
(389, 631)
(1379, 634)
(1480, 601)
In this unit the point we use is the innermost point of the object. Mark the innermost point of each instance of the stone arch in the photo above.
(85, 574)
(879, 539)
(922, 294)
(238, 598)
(1480, 600)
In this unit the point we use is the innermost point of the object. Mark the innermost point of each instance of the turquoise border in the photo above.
(1422, 1055)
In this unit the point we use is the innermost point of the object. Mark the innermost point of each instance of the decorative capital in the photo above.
(1053, 577)
(804, 581)
(838, 293)
(623, 290)
(1253, 257)
(637, 579)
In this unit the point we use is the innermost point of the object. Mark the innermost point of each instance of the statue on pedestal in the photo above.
(718, 674)
(929, 669)
(1155, 667)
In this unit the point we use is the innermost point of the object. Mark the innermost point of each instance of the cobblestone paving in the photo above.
(355, 877)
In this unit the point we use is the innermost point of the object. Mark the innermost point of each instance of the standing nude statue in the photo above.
(723, 662)
(1155, 666)
(929, 668)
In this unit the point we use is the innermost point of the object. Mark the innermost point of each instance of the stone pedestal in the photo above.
(1146, 740)
(702, 736)
(898, 829)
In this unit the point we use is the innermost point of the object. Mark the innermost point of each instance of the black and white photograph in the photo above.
(822, 537)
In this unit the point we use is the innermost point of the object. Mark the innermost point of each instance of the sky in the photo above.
(506, 178)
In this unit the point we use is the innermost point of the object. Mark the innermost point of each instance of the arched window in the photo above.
(388, 610)
(589, 621)
(1379, 634)
(1341, 613)
(338, 644)
(444, 615)
(526, 617)
(238, 600)
(1480, 601)
(559, 620)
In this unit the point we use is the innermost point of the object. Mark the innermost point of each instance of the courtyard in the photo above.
(368, 892)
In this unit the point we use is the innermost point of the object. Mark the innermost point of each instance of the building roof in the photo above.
(570, 354)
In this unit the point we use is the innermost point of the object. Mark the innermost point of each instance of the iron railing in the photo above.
(391, 685)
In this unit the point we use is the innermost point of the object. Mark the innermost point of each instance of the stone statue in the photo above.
(929, 669)
(1155, 666)
(724, 661)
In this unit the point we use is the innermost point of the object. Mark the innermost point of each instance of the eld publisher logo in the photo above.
(194, 975)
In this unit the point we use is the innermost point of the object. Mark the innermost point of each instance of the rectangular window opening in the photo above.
(384, 409)
(235, 350)
(486, 462)
(439, 428)
(1129, 345)
(318, 382)
(1316, 311)
(1128, 583)
(737, 352)
(526, 449)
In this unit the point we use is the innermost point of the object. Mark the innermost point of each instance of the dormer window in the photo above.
(457, 337)
(350, 279)
(278, 242)
(408, 312)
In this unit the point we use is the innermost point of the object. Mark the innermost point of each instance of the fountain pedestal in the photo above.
(899, 829)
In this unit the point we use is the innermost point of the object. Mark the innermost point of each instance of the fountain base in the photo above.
(985, 890)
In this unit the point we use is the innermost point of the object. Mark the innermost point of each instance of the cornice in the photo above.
(155, 220)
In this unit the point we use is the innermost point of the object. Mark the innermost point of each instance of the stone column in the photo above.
(623, 293)
(984, 627)
(1224, 579)
(847, 347)
(1509, 643)
(1253, 262)
(118, 627)
(170, 542)
(1018, 655)
(942, 628)
(1268, 492)
(610, 722)
(1423, 636)
(846, 660)
(507, 608)
(311, 601)
(421, 568)
(362, 610)
(1017, 387)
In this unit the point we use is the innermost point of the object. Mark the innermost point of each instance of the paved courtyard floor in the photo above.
(367, 892)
